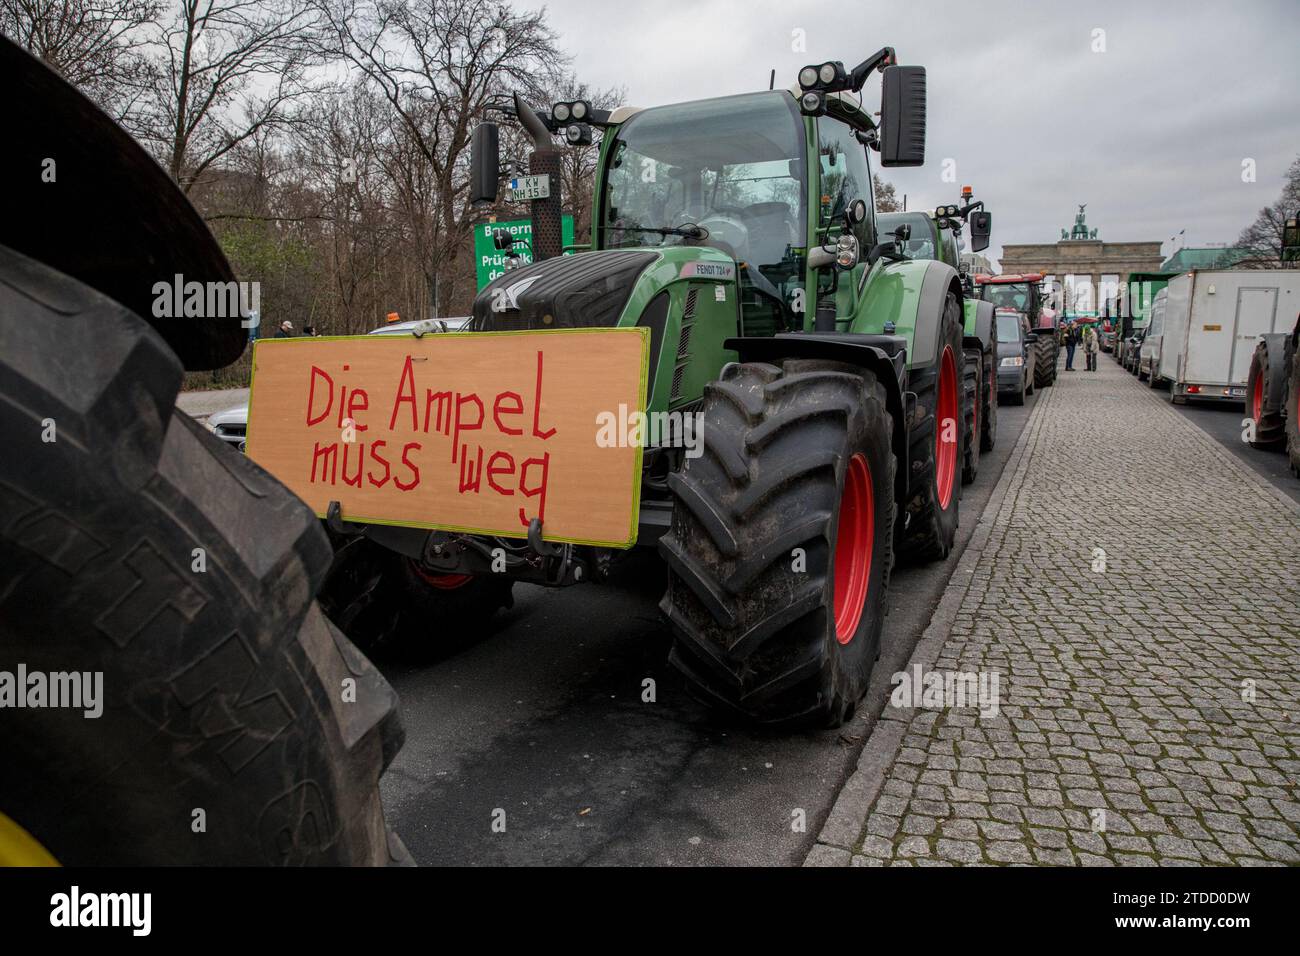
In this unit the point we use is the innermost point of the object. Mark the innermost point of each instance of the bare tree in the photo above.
(225, 70)
(1263, 238)
(886, 196)
(97, 45)
(437, 64)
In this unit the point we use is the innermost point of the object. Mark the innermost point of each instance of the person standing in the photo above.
(1090, 344)
(1071, 343)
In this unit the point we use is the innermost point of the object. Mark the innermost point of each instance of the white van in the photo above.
(1149, 354)
(1211, 323)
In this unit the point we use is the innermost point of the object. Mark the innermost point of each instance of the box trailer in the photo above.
(1212, 321)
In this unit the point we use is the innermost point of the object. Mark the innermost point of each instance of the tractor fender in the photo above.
(884, 355)
(941, 280)
(85, 199)
(980, 327)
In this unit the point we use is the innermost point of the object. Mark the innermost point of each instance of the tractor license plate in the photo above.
(530, 187)
(479, 432)
(1236, 392)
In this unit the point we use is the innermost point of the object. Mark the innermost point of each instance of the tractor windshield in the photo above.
(734, 166)
(1007, 295)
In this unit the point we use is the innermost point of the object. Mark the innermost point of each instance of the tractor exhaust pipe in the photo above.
(547, 214)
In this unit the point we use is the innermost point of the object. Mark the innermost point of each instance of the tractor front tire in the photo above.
(971, 379)
(1291, 391)
(139, 550)
(393, 609)
(781, 542)
(935, 487)
(1047, 355)
(1265, 395)
(989, 402)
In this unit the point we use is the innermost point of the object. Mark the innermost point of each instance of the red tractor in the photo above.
(1024, 293)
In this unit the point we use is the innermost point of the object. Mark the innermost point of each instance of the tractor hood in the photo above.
(586, 290)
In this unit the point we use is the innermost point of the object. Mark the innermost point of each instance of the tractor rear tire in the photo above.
(971, 378)
(393, 609)
(989, 410)
(934, 491)
(237, 726)
(781, 542)
(1265, 395)
(1046, 356)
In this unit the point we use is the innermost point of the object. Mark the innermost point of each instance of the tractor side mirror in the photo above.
(484, 164)
(902, 116)
(981, 227)
(502, 240)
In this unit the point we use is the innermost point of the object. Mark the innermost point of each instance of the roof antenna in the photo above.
(771, 84)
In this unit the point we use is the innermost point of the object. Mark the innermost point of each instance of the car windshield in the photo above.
(1009, 295)
(1008, 327)
(733, 165)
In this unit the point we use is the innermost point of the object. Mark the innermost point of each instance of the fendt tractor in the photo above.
(825, 366)
(138, 547)
(937, 235)
(1024, 293)
(1273, 384)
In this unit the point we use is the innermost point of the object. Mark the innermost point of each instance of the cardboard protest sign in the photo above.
(466, 431)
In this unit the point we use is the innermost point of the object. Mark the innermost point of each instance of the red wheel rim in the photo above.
(444, 582)
(945, 426)
(1257, 397)
(854, 543)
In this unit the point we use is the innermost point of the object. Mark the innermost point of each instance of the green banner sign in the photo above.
(490, 262)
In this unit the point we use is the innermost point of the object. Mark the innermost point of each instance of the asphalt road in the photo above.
(541, 726)
(1223, 422)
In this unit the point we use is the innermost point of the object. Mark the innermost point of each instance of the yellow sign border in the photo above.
(637, 461)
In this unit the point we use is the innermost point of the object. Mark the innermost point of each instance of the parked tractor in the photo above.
(1024, 293)
(937, 235)
(824, 369)
(1273, 384)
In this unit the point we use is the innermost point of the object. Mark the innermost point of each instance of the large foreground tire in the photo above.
(972, 369)
(237, 725)
(780, 545)
(1266, 392)
(1292, 399)
(989, 402)
(393, 609)
(1046, 350)
(934, 491)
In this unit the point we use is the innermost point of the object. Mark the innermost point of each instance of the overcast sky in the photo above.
(1151, 133)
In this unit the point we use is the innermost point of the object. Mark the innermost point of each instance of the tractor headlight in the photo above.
(579, 110)
(846, 251)
(561, 112)
(827, 73)
(1012, 361)
(811, 103)
(808, 77)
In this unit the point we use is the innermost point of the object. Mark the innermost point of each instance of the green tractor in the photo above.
(821, 368)
(937, 235)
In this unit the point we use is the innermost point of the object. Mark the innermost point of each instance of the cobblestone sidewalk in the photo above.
(1138, 593)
